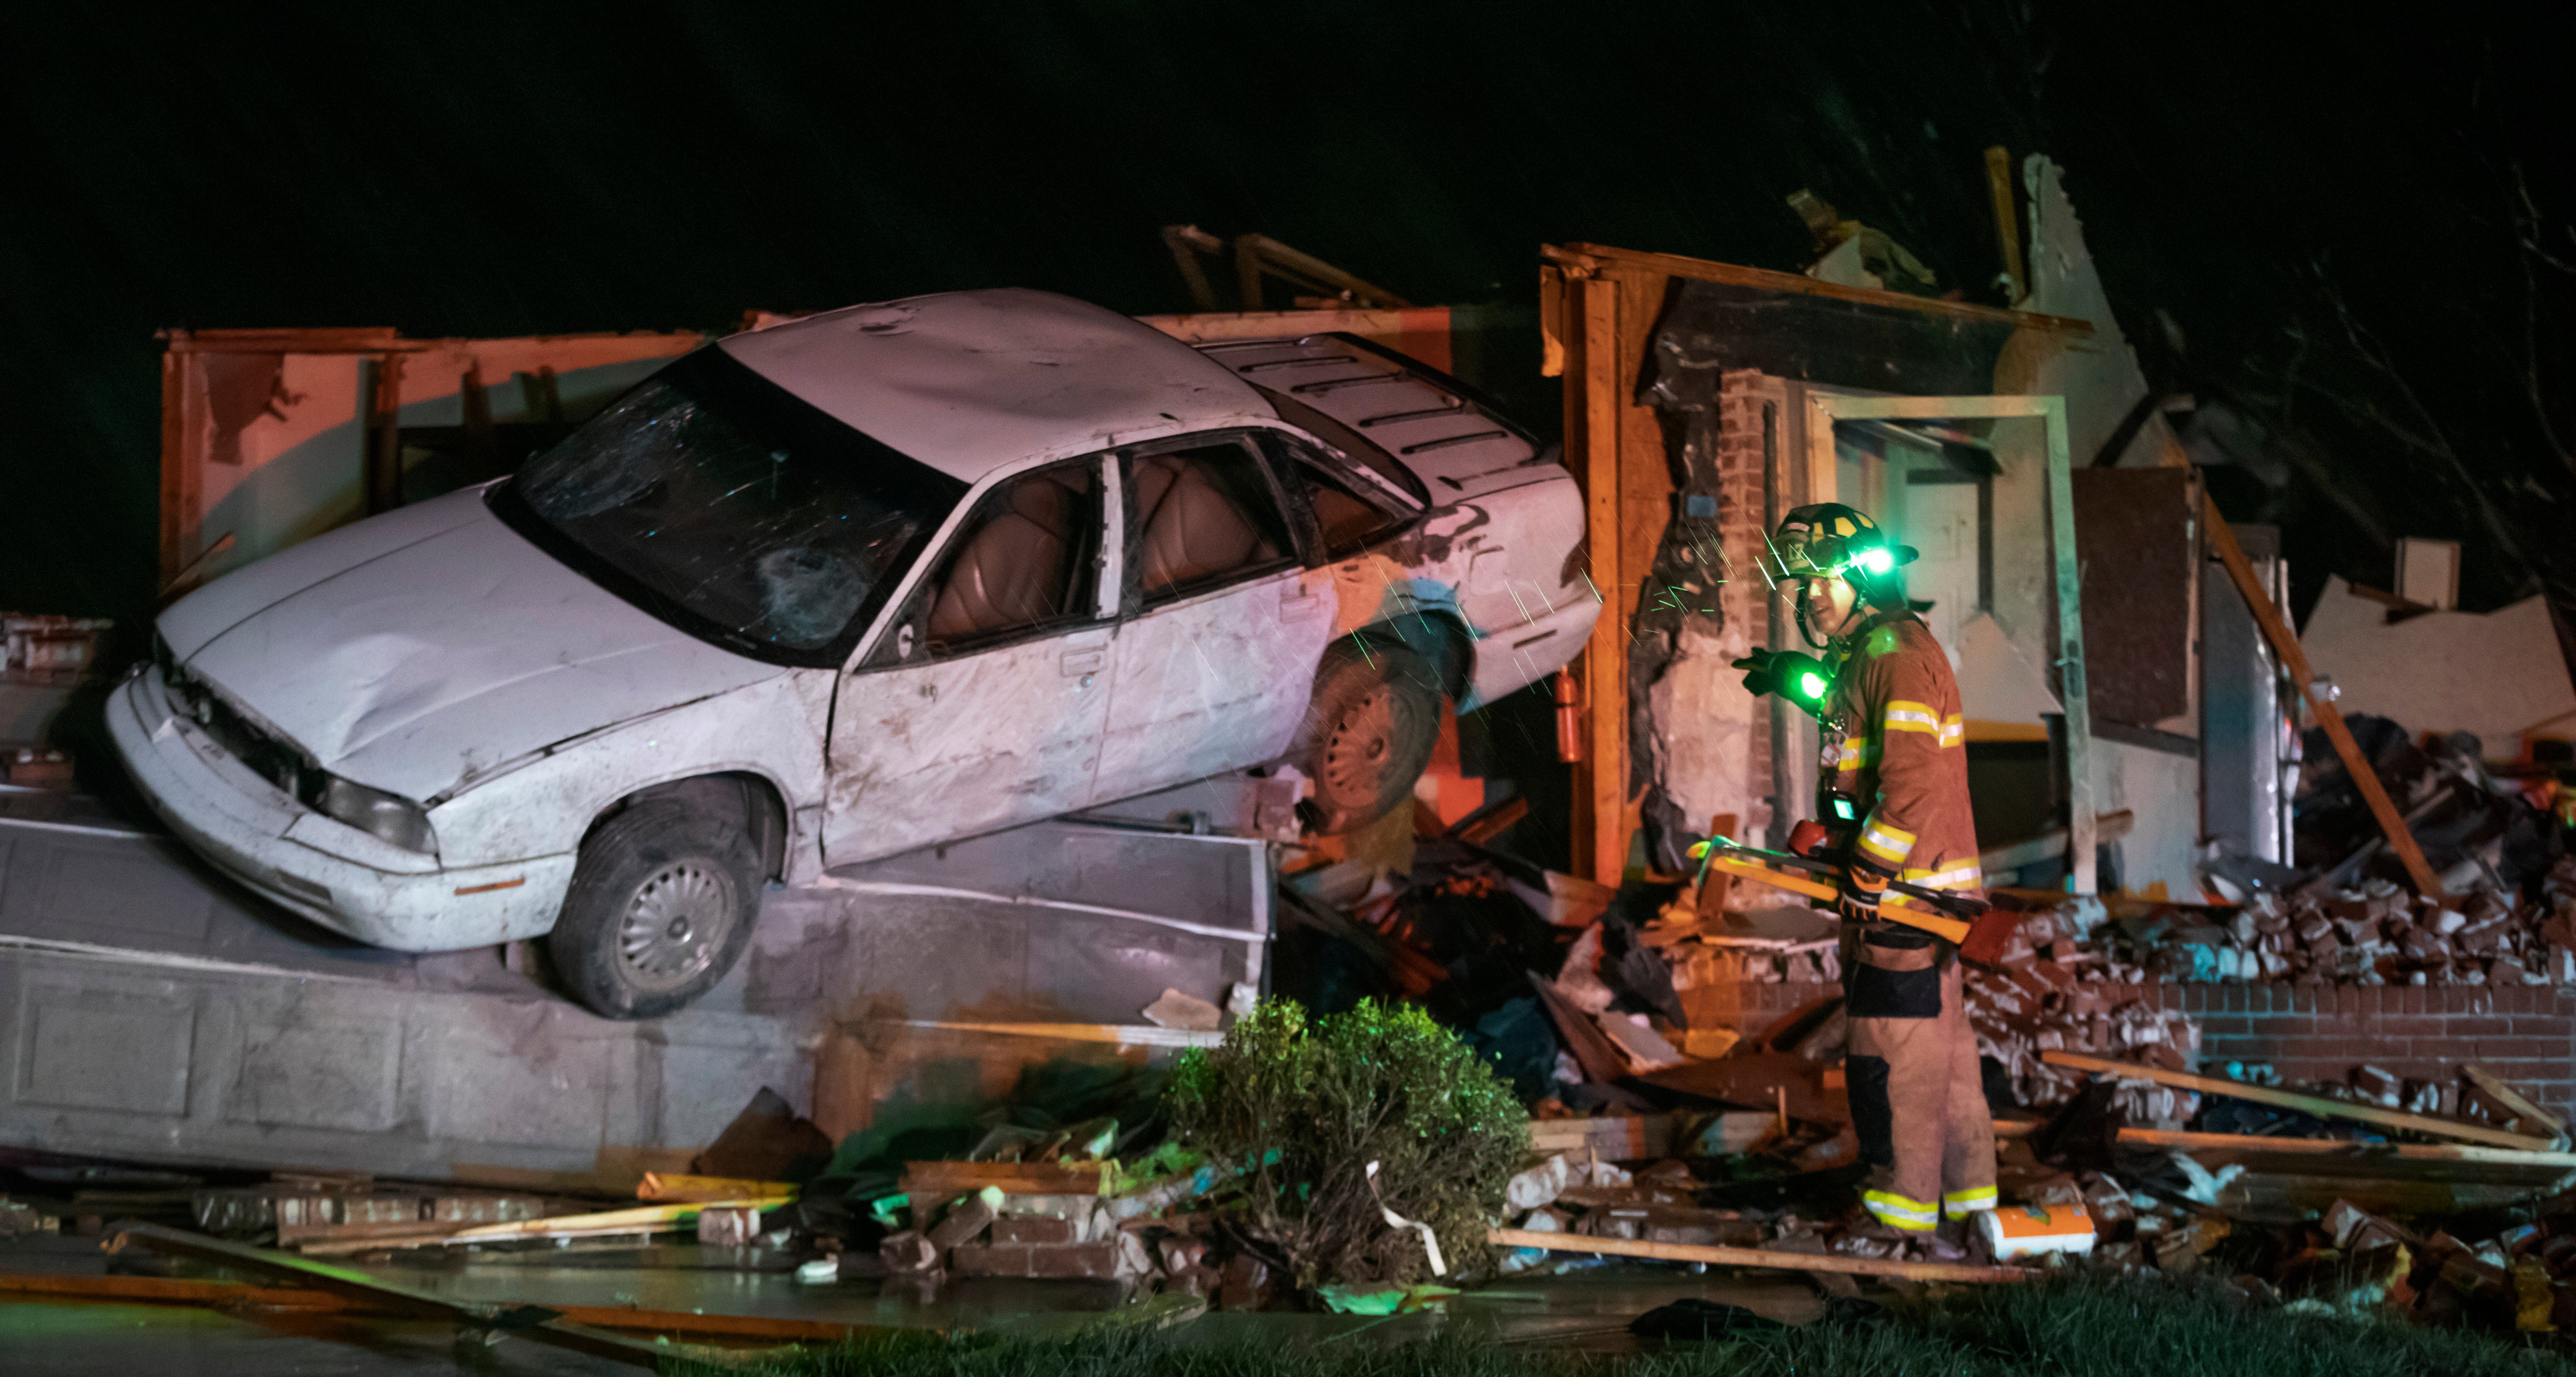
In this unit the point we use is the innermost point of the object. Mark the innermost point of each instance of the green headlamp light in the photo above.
(1802, 679)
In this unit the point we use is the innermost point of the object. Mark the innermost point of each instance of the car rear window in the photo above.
(716, 500)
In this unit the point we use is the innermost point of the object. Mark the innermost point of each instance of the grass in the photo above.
(2093, 1324)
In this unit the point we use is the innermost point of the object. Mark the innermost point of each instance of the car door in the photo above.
(984, 703)
(1225, 625)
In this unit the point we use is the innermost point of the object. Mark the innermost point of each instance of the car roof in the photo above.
(975, 382)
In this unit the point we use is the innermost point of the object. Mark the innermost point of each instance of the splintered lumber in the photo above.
(2317, 1105)
(642, 1219)
(2286, 645)
(671, 1188)
(1754, 1257)
(2513, 1102)
(237, 1295)
(2345, 1147)
(534, 1324)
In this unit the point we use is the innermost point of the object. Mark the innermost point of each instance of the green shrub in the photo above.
(1301, 1108)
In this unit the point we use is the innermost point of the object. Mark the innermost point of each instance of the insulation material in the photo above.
(2495, 674)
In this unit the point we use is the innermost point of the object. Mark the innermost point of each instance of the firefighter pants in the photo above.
(1918, 1102)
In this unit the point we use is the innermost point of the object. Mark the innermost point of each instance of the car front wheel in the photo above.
(1369, 730)
(662, 904)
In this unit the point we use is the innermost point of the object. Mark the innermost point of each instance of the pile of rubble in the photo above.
(2372, 934)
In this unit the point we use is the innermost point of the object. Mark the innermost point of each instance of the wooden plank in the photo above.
(2317, 1105)
(2074, 695)
(1603, 856)
(2531, 1114)
(2344, 1147)
(234, 1294)
(671, 1187)
(2286, 645)
(1799, 284)
(2007, 224)
(1754, 1257)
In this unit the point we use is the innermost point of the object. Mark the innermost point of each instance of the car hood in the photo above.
(417, 651)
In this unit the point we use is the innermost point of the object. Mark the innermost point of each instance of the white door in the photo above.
(1217, 659)
(985, 705)
(1941, 523)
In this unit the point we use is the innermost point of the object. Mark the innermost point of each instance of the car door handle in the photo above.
(1297, 602)
(1085, 661)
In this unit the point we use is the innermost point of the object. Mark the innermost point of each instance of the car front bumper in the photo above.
(276, 846)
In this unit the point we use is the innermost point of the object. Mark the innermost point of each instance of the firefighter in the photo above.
(1894, 790)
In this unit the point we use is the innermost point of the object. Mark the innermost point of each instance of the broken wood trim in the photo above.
(1601, 258)
(2285, 644)
(241, 1295)
(1601, 779)
(1755, 1257)
(2007, 224)
(2513, 1101)
(2317, 1105)
(1123, 1034)
(2343, 1147)
(533, 1323)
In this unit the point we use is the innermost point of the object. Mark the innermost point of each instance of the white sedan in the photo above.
(879, 579)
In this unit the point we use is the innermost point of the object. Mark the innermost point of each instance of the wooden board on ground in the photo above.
(1754, 1257)
(2317, 1105)
(1756, 1081)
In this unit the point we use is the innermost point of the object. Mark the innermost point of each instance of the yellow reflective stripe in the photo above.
(1961, 1204)
(1889, 844)
(1953, 731)
(1890, 1208)
(1904, 716)
(1957, 877)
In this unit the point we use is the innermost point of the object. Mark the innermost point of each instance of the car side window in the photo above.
(1199, 517)
(1026, 560)
(1346, 520)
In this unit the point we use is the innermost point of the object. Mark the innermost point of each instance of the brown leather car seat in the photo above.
(1189, 528)
(1017, 569)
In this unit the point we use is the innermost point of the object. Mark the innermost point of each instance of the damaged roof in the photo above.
(971, 382)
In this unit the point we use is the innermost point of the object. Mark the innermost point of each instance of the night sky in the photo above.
(2359, 232)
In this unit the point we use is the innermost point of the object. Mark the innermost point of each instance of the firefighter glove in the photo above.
(1862, 885)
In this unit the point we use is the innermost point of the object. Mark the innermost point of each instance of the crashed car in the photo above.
(870, 581)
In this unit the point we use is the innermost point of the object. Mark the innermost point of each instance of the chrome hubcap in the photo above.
(675, 925)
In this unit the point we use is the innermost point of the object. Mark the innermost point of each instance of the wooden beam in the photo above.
(2317, 1105)
(1754, 1257)
(2343, 1147)
(2073, 695)
(2513, 1101)
(2285, 643)
(1799, 284)
(1604, 854)
(2007, 225)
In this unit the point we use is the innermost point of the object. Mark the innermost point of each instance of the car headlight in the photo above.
(388, 817)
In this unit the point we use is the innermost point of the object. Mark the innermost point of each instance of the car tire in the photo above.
(662, 904)
(1369, 730)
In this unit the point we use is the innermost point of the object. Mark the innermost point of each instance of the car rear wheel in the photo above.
(661, 906)
(1369, 730)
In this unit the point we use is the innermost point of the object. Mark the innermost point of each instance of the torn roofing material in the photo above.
(969, 382)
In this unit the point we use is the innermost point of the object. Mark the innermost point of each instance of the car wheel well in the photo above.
(739, 794)
(1437, 636)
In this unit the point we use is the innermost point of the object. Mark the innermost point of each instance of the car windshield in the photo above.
(718, 501)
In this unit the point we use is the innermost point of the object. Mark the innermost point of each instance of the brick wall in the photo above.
(2523, 1033)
